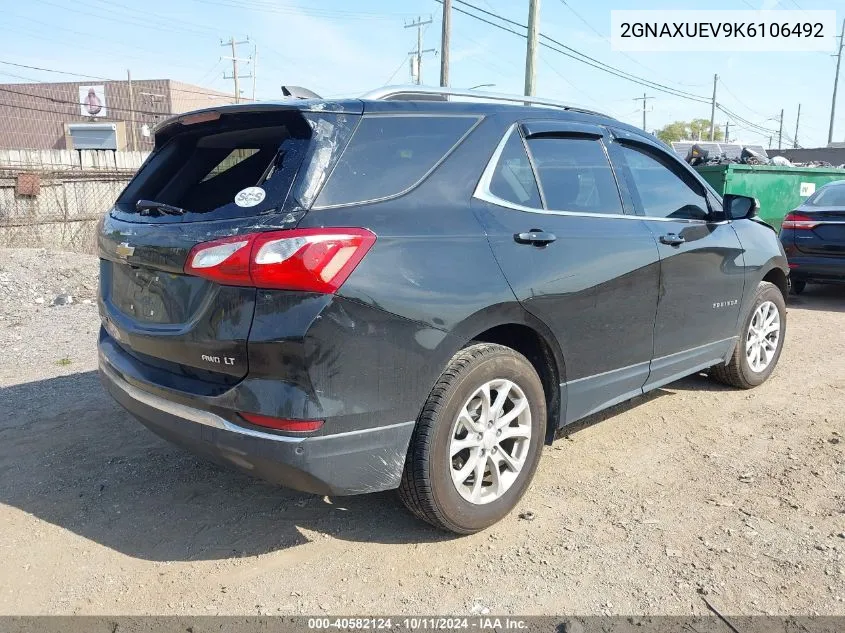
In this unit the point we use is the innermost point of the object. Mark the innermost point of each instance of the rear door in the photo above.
(215, 175)
(573, 255)
(701, 260)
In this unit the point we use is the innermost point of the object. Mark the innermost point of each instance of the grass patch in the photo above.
(64, 362)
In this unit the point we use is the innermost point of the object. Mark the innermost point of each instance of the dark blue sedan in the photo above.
(813, 236)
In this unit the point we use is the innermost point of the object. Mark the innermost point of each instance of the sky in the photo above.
(344, 48)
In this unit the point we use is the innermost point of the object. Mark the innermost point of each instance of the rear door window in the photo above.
(575, 175)
(513, 179)
(390, 154)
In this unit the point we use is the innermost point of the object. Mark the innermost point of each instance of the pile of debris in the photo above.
(699, 156)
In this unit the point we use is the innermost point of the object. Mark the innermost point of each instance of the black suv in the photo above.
(408, 291)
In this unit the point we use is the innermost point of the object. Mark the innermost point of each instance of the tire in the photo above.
(428, 488)
(796, 286)
(738, 371)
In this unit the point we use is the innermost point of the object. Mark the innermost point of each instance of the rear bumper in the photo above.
(816, 268)
(351, 462)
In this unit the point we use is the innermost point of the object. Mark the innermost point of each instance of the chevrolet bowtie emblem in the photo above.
(124, 250)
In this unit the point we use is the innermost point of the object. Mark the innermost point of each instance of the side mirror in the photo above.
(738, 207)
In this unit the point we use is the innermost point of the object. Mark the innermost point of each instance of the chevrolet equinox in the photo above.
(412, 291)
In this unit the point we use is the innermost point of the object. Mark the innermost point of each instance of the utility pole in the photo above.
(531, 47)
(445, 35)
(235, 59)
(727, 131)
(644, 98)
(835, 84)
(254, 64)
(416, 56)
(795, 138)
(780, 129)
(713, 110)
(133, 139)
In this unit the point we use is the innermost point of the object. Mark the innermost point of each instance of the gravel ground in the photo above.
(693, 491)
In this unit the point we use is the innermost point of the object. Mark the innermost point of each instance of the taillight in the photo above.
(798, 222)
(315, 260)
(225, 261)
(281, 424)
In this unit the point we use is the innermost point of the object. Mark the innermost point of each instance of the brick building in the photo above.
(45, 115)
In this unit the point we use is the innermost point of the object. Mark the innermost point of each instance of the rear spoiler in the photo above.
(298, 92)
(341, 106)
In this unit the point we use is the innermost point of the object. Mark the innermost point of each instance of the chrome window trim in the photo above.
(478, 119)
(515, 129)
(482, 192)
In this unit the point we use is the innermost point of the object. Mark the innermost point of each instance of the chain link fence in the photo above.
(46, 202)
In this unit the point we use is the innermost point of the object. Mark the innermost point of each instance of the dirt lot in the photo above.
(694, 491)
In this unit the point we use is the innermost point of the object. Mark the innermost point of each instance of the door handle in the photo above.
(672, 239)
(535, 237)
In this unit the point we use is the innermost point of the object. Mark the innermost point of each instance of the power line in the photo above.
(570, 84)
(50, 70)
(738, 100)
(109, 79)
(121, 20)
(153, 21)
(395, 72)
(44, 35)
(278, 8)
(577, 52)
(607, 39)
(17, 106)
(572, 53)
(736, 117)
(77, 103)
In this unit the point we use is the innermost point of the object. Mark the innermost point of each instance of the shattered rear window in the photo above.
(240, 165)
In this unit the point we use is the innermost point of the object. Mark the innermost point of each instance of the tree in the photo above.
(673, 132)
(695, 130)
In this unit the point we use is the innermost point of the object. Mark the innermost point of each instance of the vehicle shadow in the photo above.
(824, 297)
(72, 457)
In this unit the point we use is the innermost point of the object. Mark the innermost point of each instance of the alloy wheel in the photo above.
(489, 441)
(761, 341)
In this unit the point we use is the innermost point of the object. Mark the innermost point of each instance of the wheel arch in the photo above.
(516, 328)
(779, 278)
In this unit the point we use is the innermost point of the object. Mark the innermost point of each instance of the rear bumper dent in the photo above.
(351, 462)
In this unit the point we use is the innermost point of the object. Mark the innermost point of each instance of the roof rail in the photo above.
(414, 93)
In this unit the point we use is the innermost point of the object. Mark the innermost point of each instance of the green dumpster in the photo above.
(779, 189)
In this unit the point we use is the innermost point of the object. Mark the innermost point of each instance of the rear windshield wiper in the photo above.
(145, 206)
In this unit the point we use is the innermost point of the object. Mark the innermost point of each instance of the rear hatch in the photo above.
(819, 227)
(213, 176)
(826, 236)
